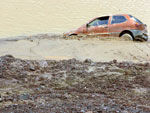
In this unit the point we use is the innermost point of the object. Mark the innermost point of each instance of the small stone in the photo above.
(125, 111)
(82, 111)
(43, 87)
(24, 96)
(26, 80)
(43, 64)
(9, 56)
(1, 100)
(115, 61)
(67, 95)
(87, 61)
(32, 68)
(89, 112)
(38, 89)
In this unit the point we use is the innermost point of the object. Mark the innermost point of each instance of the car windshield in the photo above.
(100, 21)
(135, 19)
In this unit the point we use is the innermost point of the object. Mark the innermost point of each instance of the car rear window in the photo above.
(118, 19)
(135, 19)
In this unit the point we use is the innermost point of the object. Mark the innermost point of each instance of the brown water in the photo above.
(25, 17)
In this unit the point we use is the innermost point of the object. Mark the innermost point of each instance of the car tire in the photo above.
(140, 39)
(72, 36)
(126, 37)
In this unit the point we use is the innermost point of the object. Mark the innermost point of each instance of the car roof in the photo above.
(109, 16)
(120, 14)
(114, 15)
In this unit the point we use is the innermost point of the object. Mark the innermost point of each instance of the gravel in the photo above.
(73, 86)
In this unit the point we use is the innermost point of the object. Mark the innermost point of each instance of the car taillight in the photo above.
(140, 26)
(137, 24)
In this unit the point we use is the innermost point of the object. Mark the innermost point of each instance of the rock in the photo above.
(43, 64)
(89, 112)
(24, 96)
(43, 87)
(125, 111)
(1, 100)
(32, 68)
(82, 111)
(115, 61)
(87, 61)
(140, 91)
(8, 58)
(38, 89)
(67, 96)
(45, 75)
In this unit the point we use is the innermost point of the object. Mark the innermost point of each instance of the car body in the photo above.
(114, 25)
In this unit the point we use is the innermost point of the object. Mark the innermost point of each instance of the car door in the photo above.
(117, 25)
(98, 27)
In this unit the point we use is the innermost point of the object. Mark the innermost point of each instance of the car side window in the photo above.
(99, 21)
(94, 23)
(118, 19)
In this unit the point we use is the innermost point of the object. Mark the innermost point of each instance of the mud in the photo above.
(43, 86)
(55, 47)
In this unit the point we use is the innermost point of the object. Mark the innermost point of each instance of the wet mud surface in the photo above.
(55, 47)
(72, 86)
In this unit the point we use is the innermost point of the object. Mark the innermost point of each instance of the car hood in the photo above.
(75, 31)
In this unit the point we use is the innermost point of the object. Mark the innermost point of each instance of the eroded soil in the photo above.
(72, 86)
(55, 47)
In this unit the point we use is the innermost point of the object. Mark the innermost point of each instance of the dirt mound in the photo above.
(73, 86)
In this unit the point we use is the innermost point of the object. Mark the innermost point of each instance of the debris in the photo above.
(73, 86)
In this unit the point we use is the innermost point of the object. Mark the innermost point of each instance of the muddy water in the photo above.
(23, 17)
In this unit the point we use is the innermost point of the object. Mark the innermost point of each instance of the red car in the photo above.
(121, 25)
